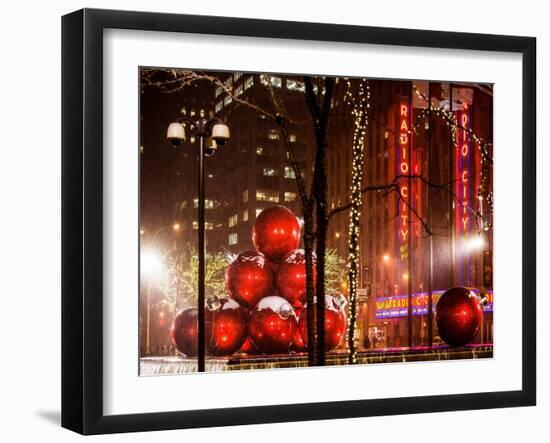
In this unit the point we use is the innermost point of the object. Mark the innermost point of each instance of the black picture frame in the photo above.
(82, 219)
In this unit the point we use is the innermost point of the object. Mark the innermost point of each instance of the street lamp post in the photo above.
(218, 133)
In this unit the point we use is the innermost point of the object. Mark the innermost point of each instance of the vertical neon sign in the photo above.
(403, 166)
(462, 191)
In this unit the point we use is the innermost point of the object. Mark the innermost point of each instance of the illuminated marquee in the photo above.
(397, 305)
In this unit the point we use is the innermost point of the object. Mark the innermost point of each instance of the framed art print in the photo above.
(304, 221)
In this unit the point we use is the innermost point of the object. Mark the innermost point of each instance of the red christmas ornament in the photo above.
(249, 278)
(184, 332)
(272, 325)
(225, 327)
(335, 323)
(298, 344)
(458, 316)
(276, 232)
(290, 279)
(248, 347)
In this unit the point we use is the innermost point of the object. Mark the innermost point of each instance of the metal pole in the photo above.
(429, 208)
(148, 319)
(201, 288)
(451, 209)
(410, 243)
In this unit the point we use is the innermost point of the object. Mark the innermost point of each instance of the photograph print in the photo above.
(291, 220)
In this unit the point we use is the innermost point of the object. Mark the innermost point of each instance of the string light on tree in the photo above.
(360, 106)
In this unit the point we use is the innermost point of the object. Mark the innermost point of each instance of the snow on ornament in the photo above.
(276, 232)
(335, 322)
(290, 279)
(272, 325)
(249, 278)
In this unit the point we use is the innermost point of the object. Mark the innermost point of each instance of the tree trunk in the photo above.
(320, 109)
(320, 192)
(310, 286)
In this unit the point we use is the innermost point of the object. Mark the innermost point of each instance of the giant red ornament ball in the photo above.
(184, 332)
(335, 323)
(225, 328)
(272, 325)
(458, 316)
(290, 279)
(249, 278)
(276, 232)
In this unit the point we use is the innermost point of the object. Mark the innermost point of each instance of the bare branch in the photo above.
(394, 187)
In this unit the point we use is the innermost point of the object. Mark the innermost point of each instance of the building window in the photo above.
(233, 221)
(228, 99)
(245, 215)
(245, 196)
(273, 135)
(238, 90)
(233, 239)
(290, 196)
(259, 150)
(289, 172)
(292, 138)
(295, 85)
(276, 82)
(208, 204)
(237, 75)
(219, 106)
(258, 210)
(267, 196)
(249, 82)
(209, 226)
(270, 172)
(219, 90)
